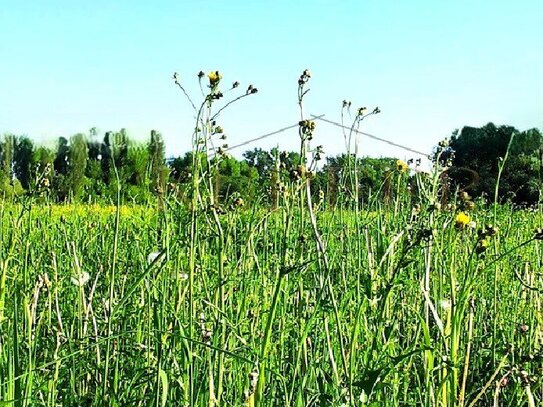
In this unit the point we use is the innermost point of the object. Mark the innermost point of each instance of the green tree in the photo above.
(478, 151)
(43, 172)
(157, 160)
(7, 147)
(235, 177)
(137, 188)
(9, 185)
(106, 158)
(61, 159)
(23, 160)
(77, 163)
(371, 174)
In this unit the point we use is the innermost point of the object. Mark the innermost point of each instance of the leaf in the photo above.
(165, 387)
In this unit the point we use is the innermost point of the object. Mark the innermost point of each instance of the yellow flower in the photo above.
(482, 245)
(462, 220)
(401, 166)
(214, 77)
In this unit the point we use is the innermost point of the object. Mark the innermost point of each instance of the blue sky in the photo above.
(431, 67)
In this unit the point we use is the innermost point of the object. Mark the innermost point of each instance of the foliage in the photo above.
(372, 175)
(481, 149)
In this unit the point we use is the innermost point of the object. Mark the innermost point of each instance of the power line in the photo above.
(268, 135)
(372, 136)
(321, 117)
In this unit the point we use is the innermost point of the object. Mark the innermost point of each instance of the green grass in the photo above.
(405, 312)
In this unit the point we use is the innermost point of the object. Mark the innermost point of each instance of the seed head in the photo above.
(463, 196)
(469, 205)
(81, 279)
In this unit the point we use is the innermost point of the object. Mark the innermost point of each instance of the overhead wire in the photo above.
(389, 142)
(321, 118)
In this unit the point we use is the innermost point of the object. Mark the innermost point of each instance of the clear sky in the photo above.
(431, 66)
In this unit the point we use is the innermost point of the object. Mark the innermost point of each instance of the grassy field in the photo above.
(408, 304)
(417, 297)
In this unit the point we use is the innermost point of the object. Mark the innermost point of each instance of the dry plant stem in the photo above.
(489, 382)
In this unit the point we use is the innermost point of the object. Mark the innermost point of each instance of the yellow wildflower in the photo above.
(482, 245)
(401, 166)
(462, 220)
(214, 78)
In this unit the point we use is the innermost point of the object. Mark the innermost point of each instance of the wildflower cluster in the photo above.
(484, 235)
(206, 332)
(237, 201)
(253, 381)
(417, 162)
(214, 78)
(401, 166)
(307, 127)
(444, 154)
(300, 172)
(466, 202)
(462, 220)
(304, 77)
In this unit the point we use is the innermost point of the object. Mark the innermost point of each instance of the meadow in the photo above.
(404, 307)
(423, 298)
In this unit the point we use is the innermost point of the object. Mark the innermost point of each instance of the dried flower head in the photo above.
(469, 205)
(464, 196)
(445, 304)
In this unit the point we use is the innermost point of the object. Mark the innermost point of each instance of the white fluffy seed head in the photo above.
(81, 279)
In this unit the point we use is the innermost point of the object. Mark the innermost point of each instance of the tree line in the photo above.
(91, 168)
